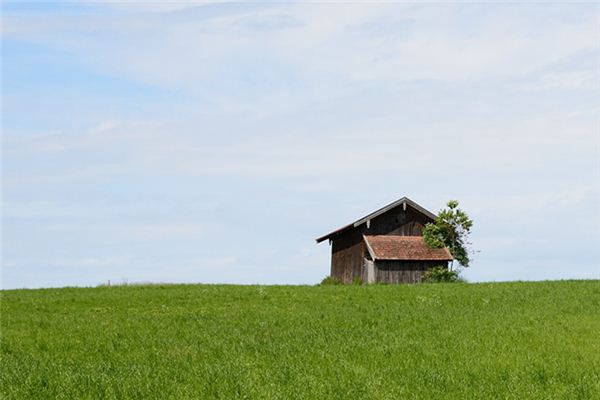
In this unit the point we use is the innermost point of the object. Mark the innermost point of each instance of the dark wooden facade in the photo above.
(349, 255)
(403, 271)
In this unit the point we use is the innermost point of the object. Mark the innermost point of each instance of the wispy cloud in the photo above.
(188, 49)
(266, 121)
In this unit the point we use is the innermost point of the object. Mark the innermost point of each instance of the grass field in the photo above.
(537, 340)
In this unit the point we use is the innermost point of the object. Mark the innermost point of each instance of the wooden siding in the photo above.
(403, 271)
(348, 250)
(369, 271)
(347, 255)
(397, 222)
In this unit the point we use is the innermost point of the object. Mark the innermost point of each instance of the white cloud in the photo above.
(187, 51)
(492, 104)
(511, 145)
(105, 126)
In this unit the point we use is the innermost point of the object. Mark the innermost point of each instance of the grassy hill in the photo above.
(537, 340)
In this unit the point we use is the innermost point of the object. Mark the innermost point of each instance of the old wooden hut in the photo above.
(385, 246)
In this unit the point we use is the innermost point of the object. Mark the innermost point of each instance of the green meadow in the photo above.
(521, 340)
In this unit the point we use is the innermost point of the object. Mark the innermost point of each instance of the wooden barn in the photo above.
(385, 246)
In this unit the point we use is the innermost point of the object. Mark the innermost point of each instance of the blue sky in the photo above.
(198, 142)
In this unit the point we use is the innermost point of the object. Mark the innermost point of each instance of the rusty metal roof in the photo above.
(404, 201)
(388, 247)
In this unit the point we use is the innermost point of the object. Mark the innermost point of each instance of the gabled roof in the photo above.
(388, 247)
(403, 201)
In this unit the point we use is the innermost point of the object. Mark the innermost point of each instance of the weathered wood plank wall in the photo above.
(403, 271)
(348, 249)
(347, 257)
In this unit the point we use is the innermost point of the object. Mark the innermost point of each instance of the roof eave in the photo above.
(329, 235)
(395, 204)
(376, 213)
(369, 248)
(413, 259)
(373, 254)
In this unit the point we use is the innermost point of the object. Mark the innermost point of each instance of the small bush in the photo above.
(440, 274)
(329, 280)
